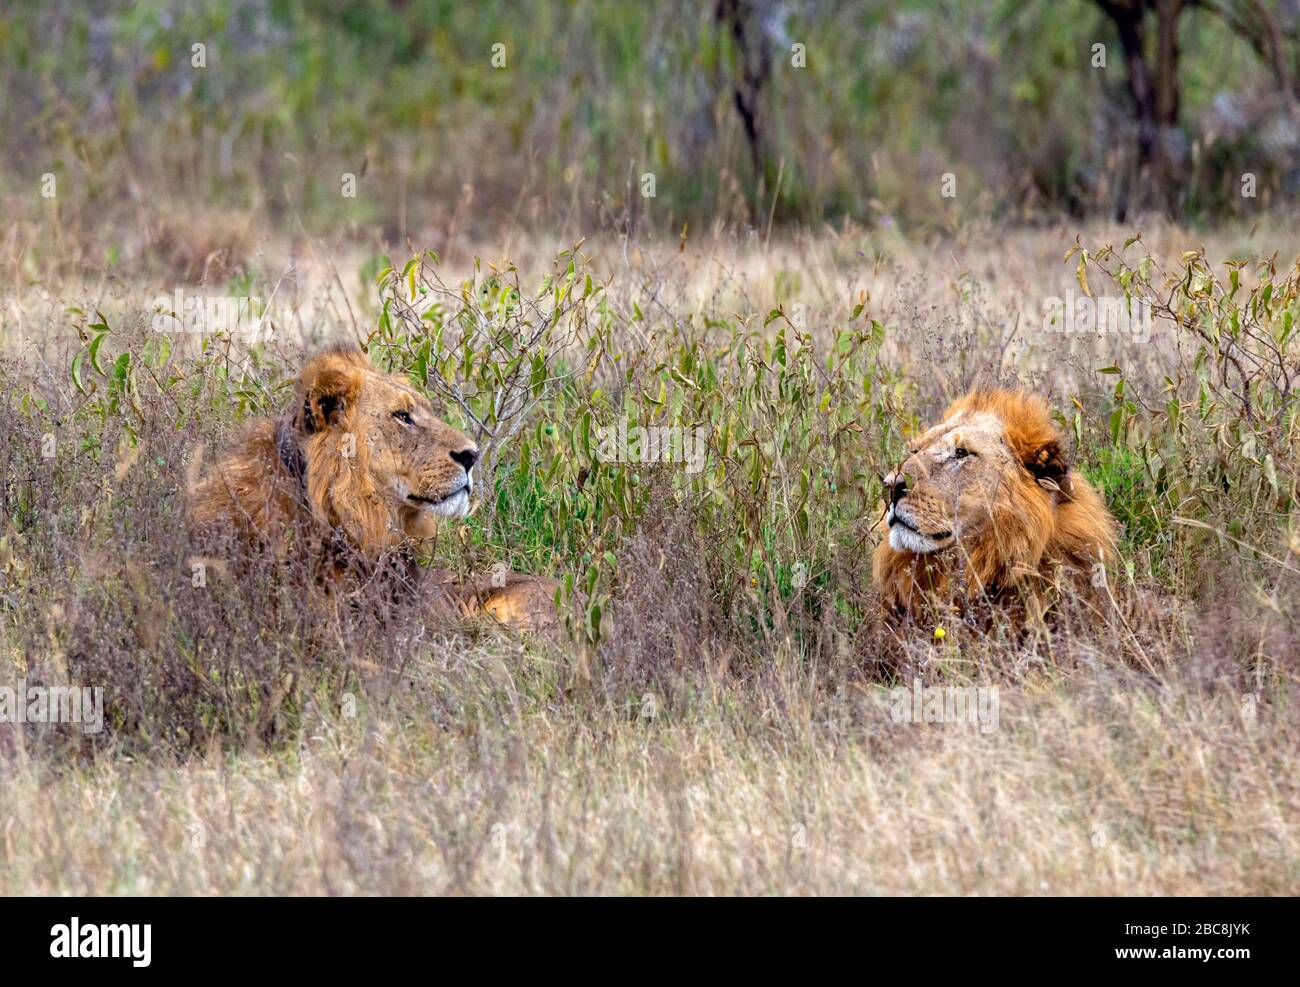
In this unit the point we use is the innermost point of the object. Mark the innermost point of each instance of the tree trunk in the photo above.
(754, 56)
(1153, 84)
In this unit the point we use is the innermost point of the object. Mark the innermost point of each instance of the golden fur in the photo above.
(356, 468)
(986, 505)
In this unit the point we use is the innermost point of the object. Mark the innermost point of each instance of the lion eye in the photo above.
(404, 417)
(960, 453)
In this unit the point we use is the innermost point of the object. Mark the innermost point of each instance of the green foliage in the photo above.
(543, 374)
(591, 97)
(1213, 447)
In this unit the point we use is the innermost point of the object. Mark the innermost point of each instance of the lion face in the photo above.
(948, 486)
(378, 463)
(986, 500)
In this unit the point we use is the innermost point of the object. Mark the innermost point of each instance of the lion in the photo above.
(356, 471)
(987, 507)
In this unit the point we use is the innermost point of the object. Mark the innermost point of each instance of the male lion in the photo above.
(355, 471)
(985, 505)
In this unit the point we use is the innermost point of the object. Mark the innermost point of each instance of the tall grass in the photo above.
(716, 718)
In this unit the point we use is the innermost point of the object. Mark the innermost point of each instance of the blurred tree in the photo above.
(1148, 32)
(746, 22)
(705, 97)
(1273, 33)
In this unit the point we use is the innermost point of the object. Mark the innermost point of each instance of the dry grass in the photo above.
(698, 747)
(1087, 788)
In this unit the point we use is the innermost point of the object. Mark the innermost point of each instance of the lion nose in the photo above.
(898, 488)
(466, 457)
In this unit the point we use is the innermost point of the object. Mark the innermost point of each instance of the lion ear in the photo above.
(1050, 468)
(331, 385)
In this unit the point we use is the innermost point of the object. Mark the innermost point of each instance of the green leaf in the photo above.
(93, 350)
(78, 362)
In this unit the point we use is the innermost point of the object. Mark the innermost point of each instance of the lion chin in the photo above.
(986, 505)
(453, 505)
(358, 457)
(903, 537)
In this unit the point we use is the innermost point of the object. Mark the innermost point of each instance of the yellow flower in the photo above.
(940, 633)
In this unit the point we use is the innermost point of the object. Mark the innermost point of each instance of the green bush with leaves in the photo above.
(1211, 451)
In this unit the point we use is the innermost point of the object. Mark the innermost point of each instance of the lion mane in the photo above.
(351, 476)
(987, 506)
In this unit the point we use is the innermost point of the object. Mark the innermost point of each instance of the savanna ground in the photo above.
(717, 718)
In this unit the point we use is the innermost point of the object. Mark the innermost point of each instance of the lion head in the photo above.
(377, 462)
(986, 501)
(358, 449)
(355, 467)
